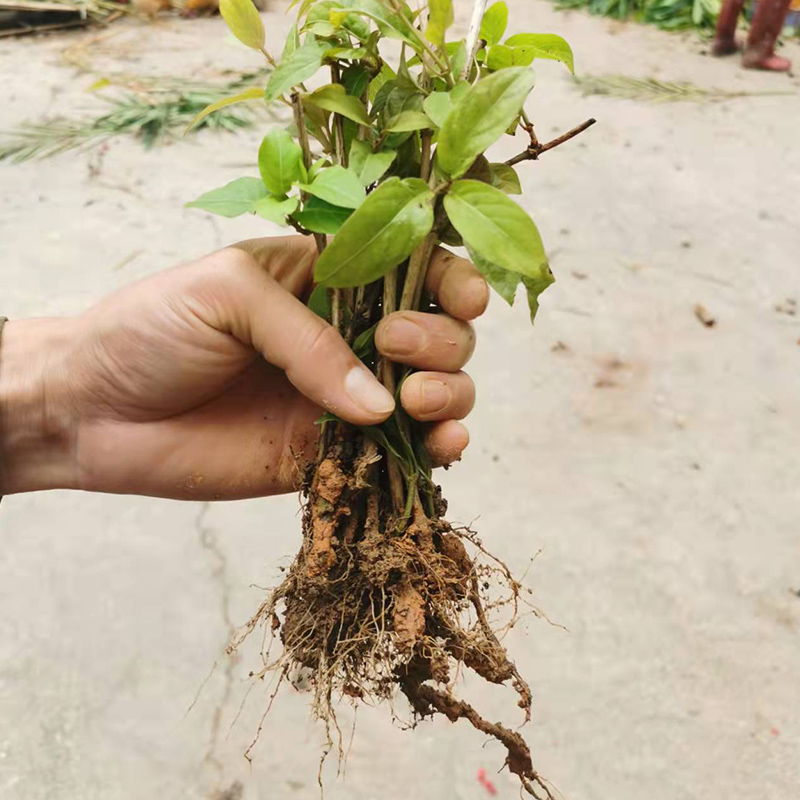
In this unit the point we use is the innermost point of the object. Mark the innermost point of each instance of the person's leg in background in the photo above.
(725, 39)
(764, 31)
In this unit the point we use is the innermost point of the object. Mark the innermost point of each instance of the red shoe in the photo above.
(770, 62)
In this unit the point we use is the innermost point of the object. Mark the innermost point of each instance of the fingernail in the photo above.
(435, 396)
(401, 337)
(367, 393)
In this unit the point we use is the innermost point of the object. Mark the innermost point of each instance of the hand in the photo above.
(204, 381)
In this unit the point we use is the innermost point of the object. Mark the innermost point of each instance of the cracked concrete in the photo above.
(653, 461)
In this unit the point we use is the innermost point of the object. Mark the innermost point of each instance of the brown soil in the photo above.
(374, 604)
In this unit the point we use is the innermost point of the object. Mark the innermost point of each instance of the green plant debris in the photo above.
(652, 90)
(151, 110)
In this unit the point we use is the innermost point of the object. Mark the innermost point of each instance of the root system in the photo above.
(375, 603)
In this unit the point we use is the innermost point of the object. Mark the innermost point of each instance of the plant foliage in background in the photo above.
(671, 15)
(655, 91)
(383, 160)
(151, 110)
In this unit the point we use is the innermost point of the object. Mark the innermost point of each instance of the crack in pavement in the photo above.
(219, 574)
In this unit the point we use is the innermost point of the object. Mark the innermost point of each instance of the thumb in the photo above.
(253, 307)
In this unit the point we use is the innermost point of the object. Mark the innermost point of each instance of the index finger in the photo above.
(461, 290)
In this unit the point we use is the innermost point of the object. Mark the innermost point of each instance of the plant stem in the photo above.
(387, 377)
(338, 126)
(425, 155)
(478, 10)
(535, 149)
(302, 136)
(269, 58)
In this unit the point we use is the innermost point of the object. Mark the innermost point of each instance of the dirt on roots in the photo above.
(374, 603)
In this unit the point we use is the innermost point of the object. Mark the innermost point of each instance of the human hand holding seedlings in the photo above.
(161, 388)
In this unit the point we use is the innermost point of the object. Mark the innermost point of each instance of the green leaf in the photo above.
(481, 117)
(276, 210)
(534, 287)
(394, 25)
(300, 66)
(438, 105)
(338, 186)
(368, 166)
(439, 20)
(232, 199)
(315, 168)
(346, 53)
(499, 57)
(384, 231)
(280, 161)
(333, 97)
(505, 179)
(253, 93)
(319, 302)
(497, 229)
(503, 281)
(292, 43)
(384, 76)
(409, 121)
(494, 23)
(458, 56)
(244, 21)
(318, 216)
(364, 345)
(355, 80)
(542, 45)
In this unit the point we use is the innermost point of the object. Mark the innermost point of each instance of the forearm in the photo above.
(36, 435)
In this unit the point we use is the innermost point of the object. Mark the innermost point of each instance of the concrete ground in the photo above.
(652, 460)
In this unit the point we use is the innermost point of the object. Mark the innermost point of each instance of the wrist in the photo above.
(36, 429)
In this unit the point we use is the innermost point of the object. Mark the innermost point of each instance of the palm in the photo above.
(190, 406)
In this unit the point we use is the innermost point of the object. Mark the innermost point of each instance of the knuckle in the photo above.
(322, 341)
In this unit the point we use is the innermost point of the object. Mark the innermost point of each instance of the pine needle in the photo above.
(652, 90)
(149, 109)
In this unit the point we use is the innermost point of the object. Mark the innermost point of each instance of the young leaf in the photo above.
(318, 216)
(505, 179)
(368, 166)
(437, 105)
(333, 97)
(316, 167)
(439, 20)
(300, 66)
(244, 21)
(275, 210)
(541, 45)
(481, 117)
(497, 228)
(252, 93)
(503, 281)
(499, 57)
(409, 121)
(384, 231)
(494, 23)
(338, 186)
(280, 162)
(232, 199)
